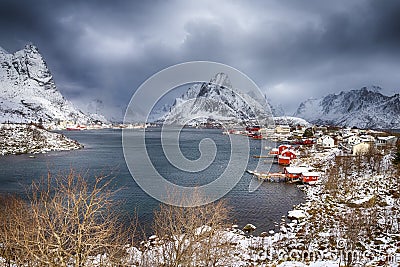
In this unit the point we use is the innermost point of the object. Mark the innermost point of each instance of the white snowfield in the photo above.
(24, 138)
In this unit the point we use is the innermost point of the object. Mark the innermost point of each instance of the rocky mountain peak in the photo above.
(221, 79)
(28, 91)
(218, 100)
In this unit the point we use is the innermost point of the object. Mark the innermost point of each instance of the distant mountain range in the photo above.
(363, 108)
(29, 93)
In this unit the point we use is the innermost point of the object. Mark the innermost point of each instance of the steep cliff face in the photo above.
(28, 91)
(364, 108)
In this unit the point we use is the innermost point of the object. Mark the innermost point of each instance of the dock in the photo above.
(269, 176)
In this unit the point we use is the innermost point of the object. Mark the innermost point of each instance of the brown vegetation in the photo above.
(190, 236)
(66, 221)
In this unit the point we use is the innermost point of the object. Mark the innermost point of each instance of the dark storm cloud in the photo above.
(292, 49)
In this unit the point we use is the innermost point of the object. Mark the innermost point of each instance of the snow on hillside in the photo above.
(364, 108)
(25, 138)
(28, 91)
(2, 50)
(292, 121)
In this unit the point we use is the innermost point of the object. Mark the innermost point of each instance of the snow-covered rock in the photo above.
(25, 138)
(296, 214)
(249, 227)
(28, 91)
(364, 108)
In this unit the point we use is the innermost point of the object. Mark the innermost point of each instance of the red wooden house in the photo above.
(282, 160)
(294, 173)
(310, 177)
(289, 153)
(281, 148)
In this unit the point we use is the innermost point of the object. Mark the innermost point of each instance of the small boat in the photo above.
(274, 152)
(261, 157)
(271, 177)
(257, 136)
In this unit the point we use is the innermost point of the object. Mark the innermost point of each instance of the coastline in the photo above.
(19, 139)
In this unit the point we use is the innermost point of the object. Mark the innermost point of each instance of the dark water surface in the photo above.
(103, 154)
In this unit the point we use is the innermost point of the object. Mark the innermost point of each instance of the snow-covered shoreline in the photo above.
(356, 226)
(18, 139)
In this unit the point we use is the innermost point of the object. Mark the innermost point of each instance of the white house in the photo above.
(386, 140)
(354, 140)
(282, 129)
(326, 141)
(367, 138)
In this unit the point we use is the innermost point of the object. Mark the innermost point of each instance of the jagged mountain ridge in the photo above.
(364, 108)
(28, 91)
(216, 99)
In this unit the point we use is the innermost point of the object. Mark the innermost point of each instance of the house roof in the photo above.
(386, 138)
(311, 174)
(297, 169)
(289, 150)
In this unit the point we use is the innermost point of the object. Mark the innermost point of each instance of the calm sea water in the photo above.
(103, 155)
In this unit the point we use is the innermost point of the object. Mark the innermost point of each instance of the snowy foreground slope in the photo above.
(24, 138)
(364, 108)
(29, 93)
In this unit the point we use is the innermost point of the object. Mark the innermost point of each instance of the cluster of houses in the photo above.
(75, 126)
(351, 141)
(355, 141)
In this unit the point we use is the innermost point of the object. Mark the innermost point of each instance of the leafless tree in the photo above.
(194, 236)
(67, 221)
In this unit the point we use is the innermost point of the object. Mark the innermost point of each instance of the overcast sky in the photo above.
(293, 50)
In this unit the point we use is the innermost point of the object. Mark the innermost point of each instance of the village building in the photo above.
(268, 132)
(282, 129)
(353, 140)
(326, 141)
(289, 153)
(386, 140)
(294, 173)
(367, 138)
(282, 148)
(309, 177)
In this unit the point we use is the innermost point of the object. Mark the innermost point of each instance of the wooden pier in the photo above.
(269, 176)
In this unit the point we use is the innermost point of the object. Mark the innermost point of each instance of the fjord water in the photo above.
(103, 154)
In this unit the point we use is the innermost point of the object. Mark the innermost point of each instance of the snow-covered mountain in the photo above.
(364, 108)
(28, 92)
(217, 100)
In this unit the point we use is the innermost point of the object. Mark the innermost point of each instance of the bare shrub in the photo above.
(67, 221)
(191, 236)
